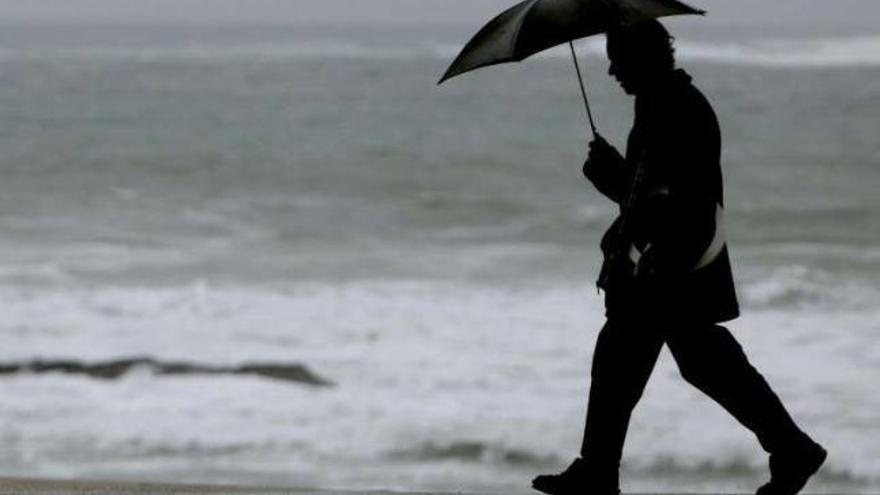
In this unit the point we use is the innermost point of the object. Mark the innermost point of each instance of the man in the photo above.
(667, 276)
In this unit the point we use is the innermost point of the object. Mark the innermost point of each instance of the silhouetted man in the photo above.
(667, 276)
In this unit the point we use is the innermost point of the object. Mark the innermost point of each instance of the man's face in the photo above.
(624, 66)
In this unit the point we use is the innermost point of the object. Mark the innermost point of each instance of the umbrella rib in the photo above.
(514, 49)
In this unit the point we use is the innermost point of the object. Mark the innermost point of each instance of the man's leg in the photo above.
(625, 355)
(711, 359)
(622, 362)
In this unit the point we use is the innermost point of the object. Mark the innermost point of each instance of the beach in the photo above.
(24, 486)
(309, 197)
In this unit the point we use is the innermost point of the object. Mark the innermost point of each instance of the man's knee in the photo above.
(693, 370)
(624, 349)
(706, 354)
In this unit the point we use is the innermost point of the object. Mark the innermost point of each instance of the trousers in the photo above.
(708, 357)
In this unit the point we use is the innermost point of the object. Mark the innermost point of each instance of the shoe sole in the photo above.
(769, 489)
(550, 491)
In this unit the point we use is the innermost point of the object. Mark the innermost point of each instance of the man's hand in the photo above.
(603, 158)
(605, 167)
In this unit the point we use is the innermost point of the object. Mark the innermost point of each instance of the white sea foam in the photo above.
(824, 52)
(828, 52)
(841, 51)
(798, 286)
(432, 378)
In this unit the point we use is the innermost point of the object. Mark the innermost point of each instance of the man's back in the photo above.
(676, 134)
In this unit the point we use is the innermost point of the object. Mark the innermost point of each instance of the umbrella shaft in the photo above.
(577, 68)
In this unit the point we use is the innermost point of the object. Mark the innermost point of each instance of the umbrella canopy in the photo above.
(536, 25)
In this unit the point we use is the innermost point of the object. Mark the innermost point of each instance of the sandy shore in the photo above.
(22, 486)
(27, 486)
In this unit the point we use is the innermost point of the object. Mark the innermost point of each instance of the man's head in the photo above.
(639, 54)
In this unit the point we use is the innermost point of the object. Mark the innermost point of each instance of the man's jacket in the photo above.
(672, 232)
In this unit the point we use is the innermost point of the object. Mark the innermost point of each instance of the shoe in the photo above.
(790, 470)
(575, 480)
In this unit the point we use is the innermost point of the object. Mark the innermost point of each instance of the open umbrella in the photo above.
(536, 25)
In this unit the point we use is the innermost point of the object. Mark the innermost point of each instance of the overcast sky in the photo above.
(864, 13)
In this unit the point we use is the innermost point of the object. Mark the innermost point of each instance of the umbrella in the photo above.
(533, 26)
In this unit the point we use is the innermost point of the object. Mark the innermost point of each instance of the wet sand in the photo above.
(27, 486)
(23, 486)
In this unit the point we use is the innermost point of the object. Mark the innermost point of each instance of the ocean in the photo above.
(309, 195)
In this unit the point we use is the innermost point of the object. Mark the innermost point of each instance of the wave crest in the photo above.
(801, 286)
(470, 451)
(806, 53)
(830, 52)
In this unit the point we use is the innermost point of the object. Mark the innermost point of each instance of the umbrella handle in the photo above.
(577, 68)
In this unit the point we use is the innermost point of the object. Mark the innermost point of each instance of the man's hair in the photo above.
(648, 40)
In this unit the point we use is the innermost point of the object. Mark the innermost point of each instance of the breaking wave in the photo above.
(471, 451)
(656, 466)
(800, 286)
(734, 467)
(823, 52)
(829, 52)
(111, 370)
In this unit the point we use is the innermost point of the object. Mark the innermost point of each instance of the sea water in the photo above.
(308, 195)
